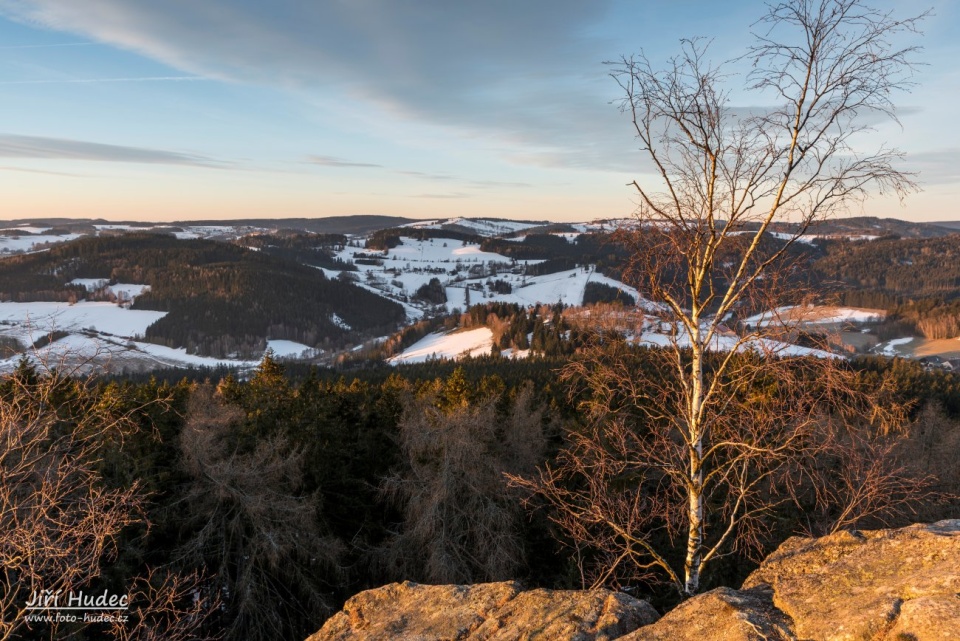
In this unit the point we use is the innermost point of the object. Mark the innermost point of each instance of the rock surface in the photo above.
(485, 612)
(880, 585)
(731, 615)
(883, 585)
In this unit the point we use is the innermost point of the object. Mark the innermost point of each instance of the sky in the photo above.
(224, 109)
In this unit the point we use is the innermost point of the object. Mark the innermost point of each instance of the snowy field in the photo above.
(291, 349)
(460, 267)
(814, 315)
(31, 243)
(99, 353)
(27, 320)
(123, 291)
(895, 347)
(452, 346)
(471, 342)
(104, 337)
(728, 341)
(811, 239)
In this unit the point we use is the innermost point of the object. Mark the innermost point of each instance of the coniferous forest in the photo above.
(279, 496)
(917, 280)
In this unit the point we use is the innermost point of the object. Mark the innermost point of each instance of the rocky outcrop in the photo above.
(882, 585)
(486, 612)
(731, 615)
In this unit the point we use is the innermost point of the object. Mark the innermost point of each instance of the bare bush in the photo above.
(59, 522)
(173, 607)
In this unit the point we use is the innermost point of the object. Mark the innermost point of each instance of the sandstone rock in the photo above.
(566, 614)
(731, 615)
(487, 612)
(878, 585)
(884, 585)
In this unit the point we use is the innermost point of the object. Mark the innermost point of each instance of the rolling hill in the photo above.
(217, 299)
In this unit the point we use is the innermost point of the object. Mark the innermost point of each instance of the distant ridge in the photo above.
(949, 224)
(873, 226)
(359, 224)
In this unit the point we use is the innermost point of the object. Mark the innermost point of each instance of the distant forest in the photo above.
(226, 299)
(916, 280)
(220, 299)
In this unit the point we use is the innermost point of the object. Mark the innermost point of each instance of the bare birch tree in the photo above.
(723, 434)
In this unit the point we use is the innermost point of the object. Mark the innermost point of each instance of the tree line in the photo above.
(277, 497)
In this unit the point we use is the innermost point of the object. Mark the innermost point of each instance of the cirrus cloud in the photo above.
(520, 74)
(16, 146)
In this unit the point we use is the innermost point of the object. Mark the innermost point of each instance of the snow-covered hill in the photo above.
(468, 275)
(26, 238)
(452, 345)
(100, 336)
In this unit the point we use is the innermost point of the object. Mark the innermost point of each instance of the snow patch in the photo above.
(25, 320)
(339, 322)
(814, 315)
(291, 349)
(123, 291)
(471, 342)
(21, 244)
(889, 348)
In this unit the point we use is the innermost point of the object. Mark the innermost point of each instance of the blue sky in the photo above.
(139, 109)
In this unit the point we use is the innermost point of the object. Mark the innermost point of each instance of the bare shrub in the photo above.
(173, 606)
(59, 522)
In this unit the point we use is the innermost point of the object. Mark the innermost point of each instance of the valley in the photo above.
(137, 297)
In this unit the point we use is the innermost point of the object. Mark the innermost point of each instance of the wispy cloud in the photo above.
(477, 184)
(936, 167)
(42, 171)
(441, 196)
(15, 146)
(88, 81)
(52, 45)
(423, 174)
(517, 73)
(333, 161)
(493, 184)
